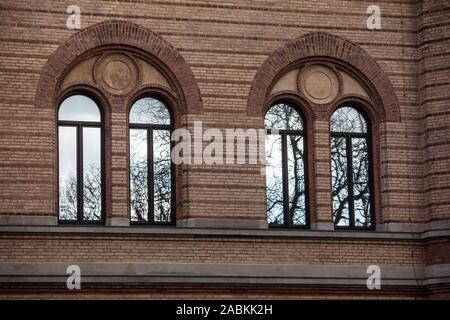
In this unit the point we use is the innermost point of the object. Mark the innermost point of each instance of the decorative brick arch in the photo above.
(324, 46)
(119, 33)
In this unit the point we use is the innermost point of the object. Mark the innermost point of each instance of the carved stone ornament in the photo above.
(318, 83)
(116, 73)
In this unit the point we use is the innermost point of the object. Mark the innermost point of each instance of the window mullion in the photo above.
(102, 170)
(150, 173)
(305, 174)
(287, 218)
(351, 199)
(80, 173)
(172, 183)
(370, 182)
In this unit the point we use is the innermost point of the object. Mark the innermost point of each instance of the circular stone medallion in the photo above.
(318, 83)
(116, 73)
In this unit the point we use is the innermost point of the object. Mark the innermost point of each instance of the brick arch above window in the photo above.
(120, 35)
(325, 48)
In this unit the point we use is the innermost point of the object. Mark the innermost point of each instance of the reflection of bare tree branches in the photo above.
(149, 111)
(162, 175)
(285, 117)
(162, 180)
(361, 182)
(339, 180)
(92, 196)
(349, 120)
(68, 199)
(139, 194)
(92, 193)
(297, 205)
(138, 175)
(274, 184)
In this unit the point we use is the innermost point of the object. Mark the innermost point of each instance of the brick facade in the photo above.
(221, 61)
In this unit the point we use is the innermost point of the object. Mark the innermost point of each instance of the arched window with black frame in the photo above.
(351, 169)
(80, 160)
(152, 189)
(286, 172)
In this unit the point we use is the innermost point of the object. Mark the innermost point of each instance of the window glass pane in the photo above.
(348, 119)
(138, 175)
(92, 174)
(296, 179)
(361, 189)
(79, 108)
(162, 175)
(67, 141)
(339, 181)
(283, 117)
(274, 180)
(149, 111)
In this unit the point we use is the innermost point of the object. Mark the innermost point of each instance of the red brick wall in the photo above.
(224, 45)
(434, 86)
(197, 249)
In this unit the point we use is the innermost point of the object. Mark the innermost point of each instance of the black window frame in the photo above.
(79, 125)
(150, 159)
(284, 162)
(348, 136)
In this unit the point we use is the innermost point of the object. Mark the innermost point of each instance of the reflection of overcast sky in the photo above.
(67, 153)
(79, 108)
(67, 150)
(138, 145)
(91, 148)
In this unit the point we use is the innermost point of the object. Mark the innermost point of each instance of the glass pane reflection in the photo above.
(138, 175)
(149, 111)
(92, 175)
(361, 189)
(348, 119)
(296, 179)
(162, 186)
(79, 108)
(274, 180)
(67, 141)
(339, 181)
(283, 117)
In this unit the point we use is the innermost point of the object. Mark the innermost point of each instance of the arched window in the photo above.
(151, 168)
(286, 178)
(80, 160)
(351, 169)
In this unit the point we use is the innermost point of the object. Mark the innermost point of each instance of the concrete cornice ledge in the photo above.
(388, 231)
(130, 272)
(213, 273)
(187, 231)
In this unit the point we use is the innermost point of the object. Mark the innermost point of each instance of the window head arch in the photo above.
(80, 160)
(149, 111)
(152, 177)
(283, 116)
(348, 119)
(351, 169)
(286, 179)
(79, 107)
